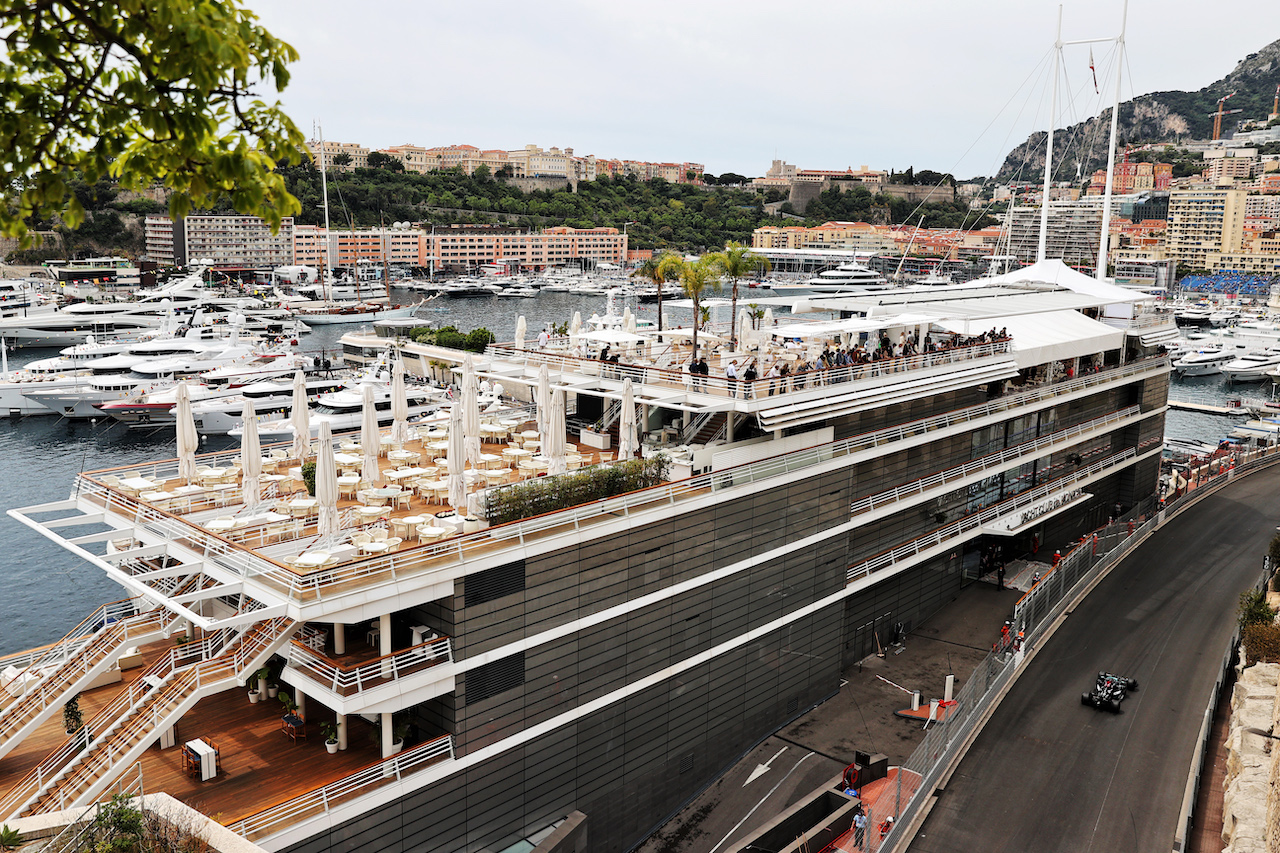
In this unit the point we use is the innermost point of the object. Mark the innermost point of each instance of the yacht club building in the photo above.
(605, 658)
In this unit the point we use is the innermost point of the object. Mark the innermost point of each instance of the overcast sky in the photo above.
(732, 84)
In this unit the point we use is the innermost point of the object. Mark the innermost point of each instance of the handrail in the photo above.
(756, 387)
(986, 463)
(104, 615)
(219, 658)
(53, 688)
(324, 799)
(349, 680)
(915, 546)
(249, 564)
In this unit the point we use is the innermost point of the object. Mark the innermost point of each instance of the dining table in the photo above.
(515, 454)
(303, 506)
(208, 757)
(406, 473)
(404, 456)
(311, 559)
(138, 484)
(347, 459)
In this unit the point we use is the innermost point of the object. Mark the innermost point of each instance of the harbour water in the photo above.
(47, 590)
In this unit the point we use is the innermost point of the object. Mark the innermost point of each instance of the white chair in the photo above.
(393, 542)
(377, 534)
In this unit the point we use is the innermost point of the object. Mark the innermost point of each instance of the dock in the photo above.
(1208, 409)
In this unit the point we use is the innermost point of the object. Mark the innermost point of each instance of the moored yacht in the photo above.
(1203, 361)
(1251, 367)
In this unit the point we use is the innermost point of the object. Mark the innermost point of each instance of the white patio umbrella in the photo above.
(457, 454)
(521, 328)
(744, 329)
(300, 417)
(188, 440)
(629, 326)
(575, 329)
(768, 317)
(470, 411)
(543, 399)
(369, 436)
(399, 408)
(326, 484)
(250, 457)
(627, 440)
(553, 441)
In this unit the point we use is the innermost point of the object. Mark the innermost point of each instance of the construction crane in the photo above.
(1217, 117)
(1275, 104)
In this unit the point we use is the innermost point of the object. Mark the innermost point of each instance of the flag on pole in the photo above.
(1095, 73)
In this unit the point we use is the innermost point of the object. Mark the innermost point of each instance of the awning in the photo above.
(611, 336)
(1053, 336)
(852, 326)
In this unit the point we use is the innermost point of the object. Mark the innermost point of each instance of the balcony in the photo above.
(356, 683)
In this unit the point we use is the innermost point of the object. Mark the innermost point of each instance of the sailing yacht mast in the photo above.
(1048, 151)
(324, 191)
(1111, 152)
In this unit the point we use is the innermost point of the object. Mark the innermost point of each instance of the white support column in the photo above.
(301, 699)
(387, 735)
(339, 638)
(342, 731)
(729, 429)
(384, 637)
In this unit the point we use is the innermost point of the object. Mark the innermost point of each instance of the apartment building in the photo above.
(466, 248)
(227, 241)
(1205, 221)
(358, 154)
(829, 235)
(1132, 178)
(1073, 232)
(346, 247)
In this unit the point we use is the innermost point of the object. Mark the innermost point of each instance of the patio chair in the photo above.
(377, 534)
(359, 539)
(393, 542)
(405, 498)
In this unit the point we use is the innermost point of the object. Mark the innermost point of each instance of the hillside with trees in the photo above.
(1157, 117)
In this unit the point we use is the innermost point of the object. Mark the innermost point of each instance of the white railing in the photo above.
(347, 681)
(391, 567)
(992, 513)
(995, 460)
(720, 386)
(322, 800)
(141, 708)
(71, 643)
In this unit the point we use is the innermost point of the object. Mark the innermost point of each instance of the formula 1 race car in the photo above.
(1109, 691)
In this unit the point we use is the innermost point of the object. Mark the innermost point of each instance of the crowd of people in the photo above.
(795, 369)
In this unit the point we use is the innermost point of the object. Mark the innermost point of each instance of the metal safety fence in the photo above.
(949, 736)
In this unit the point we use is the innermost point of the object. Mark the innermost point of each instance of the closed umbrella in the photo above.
(768, 317)
(629, 326)
(575, 329)
(250, 456)
(627, 441)
(543, 399)
(300, 417)
(188, 440)
(471, 411)
(744, 329)
(553, 441)
(457, 454)
(399, 407)
(326, 484)
(369, 437)
(521, 329)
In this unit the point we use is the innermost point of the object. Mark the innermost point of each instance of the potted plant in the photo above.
(254, 693)
(287, 701)
(72, 719)
(330, 732)
(309, 477)
(399, 731)
(10, 839)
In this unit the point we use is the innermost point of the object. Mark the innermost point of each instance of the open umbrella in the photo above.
(543, 399)
(627, 427)
(188, 440)
(369, 437)
(326, 484)
(300, 417)
(521, 328)
(553, 440)
(399, 407)
(457, 454)
(250, 456)
(470, 411)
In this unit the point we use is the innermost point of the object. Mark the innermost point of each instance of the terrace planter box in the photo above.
(598, 440)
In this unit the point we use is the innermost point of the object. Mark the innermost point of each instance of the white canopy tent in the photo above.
(1052, 336)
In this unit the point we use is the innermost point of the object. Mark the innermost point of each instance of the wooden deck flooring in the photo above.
(259, 765)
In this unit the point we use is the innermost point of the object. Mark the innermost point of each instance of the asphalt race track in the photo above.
(1049, 774)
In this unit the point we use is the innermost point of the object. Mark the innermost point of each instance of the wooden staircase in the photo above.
(94, 657)
(86, 767)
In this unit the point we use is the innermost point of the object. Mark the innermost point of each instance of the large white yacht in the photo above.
(1204, 361)
(1251, 367)
(181, 358)
(852, 277)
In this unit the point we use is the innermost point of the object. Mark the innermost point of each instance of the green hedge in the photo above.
(551, 494)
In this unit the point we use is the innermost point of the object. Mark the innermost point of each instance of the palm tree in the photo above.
(696, 279)
(659, 269)
(735, 262)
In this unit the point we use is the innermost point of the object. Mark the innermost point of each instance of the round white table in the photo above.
(407, 524)
(431, 533)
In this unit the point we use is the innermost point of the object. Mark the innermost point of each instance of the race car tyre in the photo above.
(1084, 699)
(1114, 706)
(1133, 686)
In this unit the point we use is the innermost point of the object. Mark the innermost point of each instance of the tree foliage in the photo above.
(141, 91)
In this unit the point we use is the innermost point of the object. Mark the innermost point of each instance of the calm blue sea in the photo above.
(46, 590)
